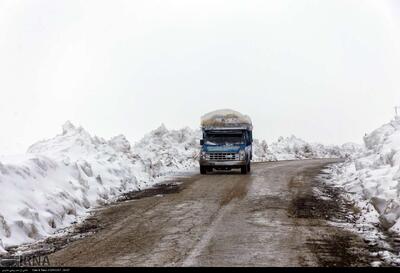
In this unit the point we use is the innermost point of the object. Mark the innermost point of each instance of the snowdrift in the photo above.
(292, 148)
(373, 176)
(166, 151)
(60, 179)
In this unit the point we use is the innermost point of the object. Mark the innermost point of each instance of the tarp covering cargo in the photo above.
(226, 118)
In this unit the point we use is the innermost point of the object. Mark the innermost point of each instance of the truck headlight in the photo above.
(242, 154)
(203, 155)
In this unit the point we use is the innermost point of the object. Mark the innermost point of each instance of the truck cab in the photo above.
(226, 144)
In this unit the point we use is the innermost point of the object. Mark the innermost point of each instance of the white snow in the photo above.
(60, 179)
(373, 176)
(292, 148)
(164, 151)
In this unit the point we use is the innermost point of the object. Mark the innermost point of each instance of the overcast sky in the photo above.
(326, 71)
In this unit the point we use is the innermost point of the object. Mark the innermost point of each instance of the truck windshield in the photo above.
(224, 139)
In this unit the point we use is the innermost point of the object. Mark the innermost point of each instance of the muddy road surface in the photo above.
(279, 215)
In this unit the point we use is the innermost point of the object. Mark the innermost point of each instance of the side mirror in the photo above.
(201, 142)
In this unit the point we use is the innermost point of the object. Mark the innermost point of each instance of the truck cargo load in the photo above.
(226, 118)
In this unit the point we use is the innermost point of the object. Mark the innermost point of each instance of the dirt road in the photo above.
(279, 215)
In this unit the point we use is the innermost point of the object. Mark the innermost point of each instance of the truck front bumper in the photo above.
(228, 163)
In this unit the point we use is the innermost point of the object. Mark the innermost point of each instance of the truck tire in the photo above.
(243, 170)
(248, 168)
(203, 170)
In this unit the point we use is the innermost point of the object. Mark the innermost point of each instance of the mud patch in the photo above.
(268, 203)
(317, 200)
(90, 225)
(340, 250)
(331, 207)
(238, 191)
(159, 189)
(337, 247)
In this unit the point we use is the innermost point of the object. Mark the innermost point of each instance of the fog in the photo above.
(326, 71)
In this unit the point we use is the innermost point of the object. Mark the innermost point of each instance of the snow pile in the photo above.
(261, 151)
(351, 150)
(292, 148)
(374, 176)
(60, 179)
(165, 151)
(225, 117)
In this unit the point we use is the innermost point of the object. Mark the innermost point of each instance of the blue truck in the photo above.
(227, 141)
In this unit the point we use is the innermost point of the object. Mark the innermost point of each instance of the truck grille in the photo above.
(222, 156)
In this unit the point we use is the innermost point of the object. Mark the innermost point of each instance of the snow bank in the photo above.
(292, 148)
(165, 151)
(60, 179)
(373, 176)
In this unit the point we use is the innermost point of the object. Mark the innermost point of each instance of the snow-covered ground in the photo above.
(374, 175)
(372, 179)
(292, 148)
(60, 179)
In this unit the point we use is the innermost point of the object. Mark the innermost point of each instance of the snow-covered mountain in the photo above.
(373, 176)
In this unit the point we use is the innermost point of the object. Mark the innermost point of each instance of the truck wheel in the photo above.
(203, 170)
(243, 170)
(248, 167)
